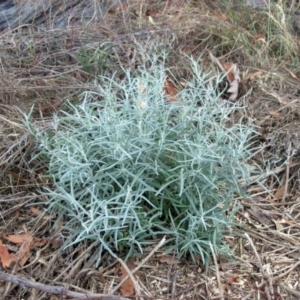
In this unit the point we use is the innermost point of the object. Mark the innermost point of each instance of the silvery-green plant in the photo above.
(128, 166)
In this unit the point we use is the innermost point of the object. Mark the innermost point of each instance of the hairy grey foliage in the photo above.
(127, 166)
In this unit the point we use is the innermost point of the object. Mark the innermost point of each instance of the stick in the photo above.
(268, 173)
(135, 284)
(217, 272)
(141, 263)
(286, 186)
(56, 290)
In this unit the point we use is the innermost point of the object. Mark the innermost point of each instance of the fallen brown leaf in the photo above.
(170, 91)
(26, 241)
(5, 257)
(39, 242)
(17, 239)
(259, 37)
(292, 74)
(252, 76)
(228, 68)
(127, 288)
(23, 254)
(37, 212)
(280, 192)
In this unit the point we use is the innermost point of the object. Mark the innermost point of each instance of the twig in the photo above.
(287, 272)
(174, 285)
(217, 272)
(260, 266)
(12, 122)
(140, 264)
(268, 237)
(248, 296)
(77, 262)
(268, 173)
(136, 286)
(256, 254)
(56, 290)
(287, 174)
(216, 61)
(291, 291)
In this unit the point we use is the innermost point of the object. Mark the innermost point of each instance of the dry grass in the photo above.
(47, 68)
